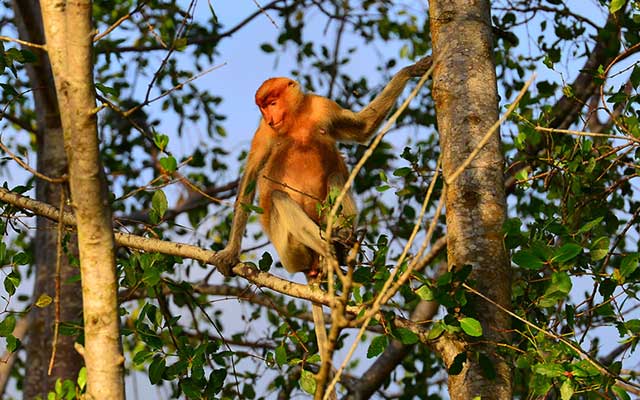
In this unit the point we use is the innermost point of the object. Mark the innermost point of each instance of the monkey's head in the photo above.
(278, 98)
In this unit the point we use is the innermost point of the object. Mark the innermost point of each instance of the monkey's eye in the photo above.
(272, 104)
(291, 83)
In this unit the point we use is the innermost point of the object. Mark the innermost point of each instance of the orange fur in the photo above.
(295, 161)
(294, 151)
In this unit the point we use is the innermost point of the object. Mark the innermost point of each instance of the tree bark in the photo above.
(466, 99)
(69, 35)
(52, 161)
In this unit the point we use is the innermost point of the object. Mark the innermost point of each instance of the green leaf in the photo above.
(161, 140)
(267, 48)
(629, 264)
(616, 5)
(28, 57)
(362, 275)
(566, 390)
(404, 51)
(566, 253)
(406, 336)
(142, 356)
(12, 343)
(523, 174)
(590, 225)
(635, 76)
(315, 358)
(471, 326)
(43, 301)
(156, 369)
(265, 262)
(106, 89)
(308, 382)
(151, 277)
(216, 381)
(22, 258)
(402, 172)
(180, 44)
(425, 293)
(558, 289)
(436, 331)
(191, 388)
(599, 248)
(82, 378)
(548, 370)
(377, 346)
(621, 393)
(169, 164)
(281, 355)
(159, 202)
(248, 392)
(633, 325)
(11, 282)
(7, 325)
(9, 90)
(528, 259)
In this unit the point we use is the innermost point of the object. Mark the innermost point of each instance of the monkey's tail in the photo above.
(323, 342)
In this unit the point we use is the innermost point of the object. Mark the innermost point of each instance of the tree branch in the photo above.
(246, 271)
(214, 38)
(566, 110)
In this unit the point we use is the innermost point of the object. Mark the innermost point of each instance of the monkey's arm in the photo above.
(225, 259)
(360, 126)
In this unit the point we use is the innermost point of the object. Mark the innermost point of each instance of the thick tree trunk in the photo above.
(52, 161)
(466, 100)
(69, 35)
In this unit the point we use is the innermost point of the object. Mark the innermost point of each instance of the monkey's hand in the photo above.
(419, 68)
(225, 260)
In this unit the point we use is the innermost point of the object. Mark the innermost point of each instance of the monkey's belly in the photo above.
(302, 171)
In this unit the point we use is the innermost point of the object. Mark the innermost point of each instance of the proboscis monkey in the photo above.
(295, 162)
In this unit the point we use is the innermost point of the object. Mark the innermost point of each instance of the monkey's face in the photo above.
(278, 98)
(274, 112)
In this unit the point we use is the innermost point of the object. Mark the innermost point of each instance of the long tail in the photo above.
(323, 342)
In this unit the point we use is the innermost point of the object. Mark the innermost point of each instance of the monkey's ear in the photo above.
(291, 83)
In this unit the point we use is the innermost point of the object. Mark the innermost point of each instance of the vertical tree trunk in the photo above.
(69, 35)
(466, 100)
(53, 162)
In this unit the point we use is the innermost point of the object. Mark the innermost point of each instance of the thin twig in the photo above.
(23, 42)
(56, 324)
(165, 60)
(263, 11)
(582, 133)
(26, 166)
(178, 86)
(119, 21)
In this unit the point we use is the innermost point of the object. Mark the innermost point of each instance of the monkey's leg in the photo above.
(287, 215)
